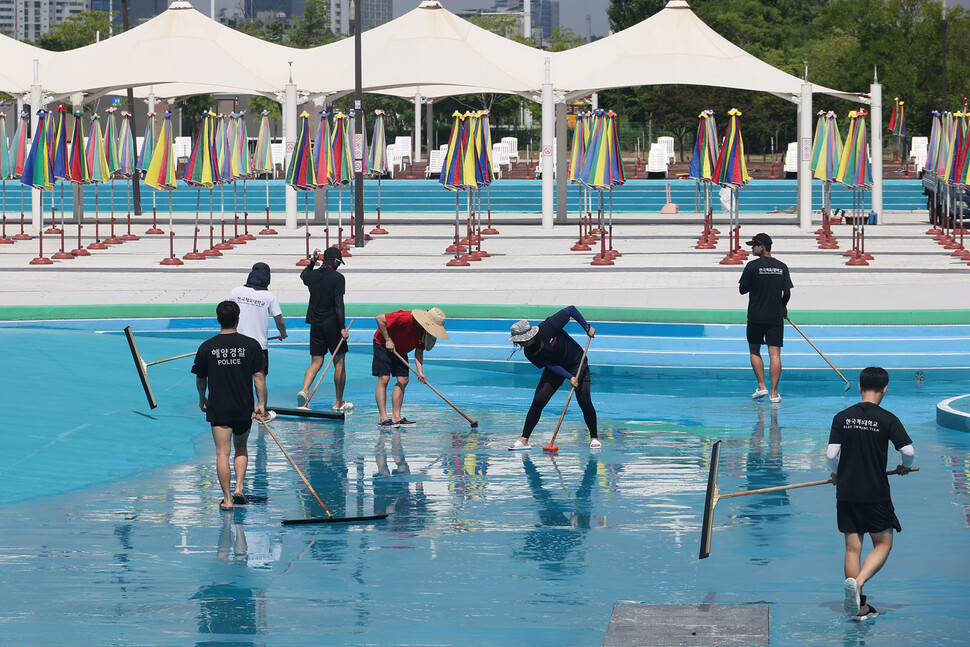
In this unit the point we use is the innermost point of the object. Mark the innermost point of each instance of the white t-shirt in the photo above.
(255, 309)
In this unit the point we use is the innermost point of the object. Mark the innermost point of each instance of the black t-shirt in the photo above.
(325, 285)
(865, 430)
(766, 280)
(558, 347)
(229, 362)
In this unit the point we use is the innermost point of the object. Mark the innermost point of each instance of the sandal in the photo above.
(222, 506)
(595, 444)
(519, 446)
(239, 499)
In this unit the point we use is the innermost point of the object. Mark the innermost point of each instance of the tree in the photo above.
(192, 109)
(77, 30)
(506, 25)
(563, 38)
(313, 29)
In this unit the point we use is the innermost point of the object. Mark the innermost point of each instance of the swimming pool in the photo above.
(111, 533)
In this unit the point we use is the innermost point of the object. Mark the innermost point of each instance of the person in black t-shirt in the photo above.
(768, 285)
(857, 454)
(325, 314)
(229, 365)
(548, 347)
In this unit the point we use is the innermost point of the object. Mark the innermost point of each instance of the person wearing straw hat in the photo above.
(559, 356)
(229, 366)
(256, 305)
(325, 314)
(398, 333)
(857, 453)
(768, 285)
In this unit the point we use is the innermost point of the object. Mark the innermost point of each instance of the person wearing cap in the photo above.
(325, 314)
(559, 356)
(398, 333)
(256, 305)
(768, 285)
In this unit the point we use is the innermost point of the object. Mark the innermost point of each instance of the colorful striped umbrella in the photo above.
(147, 145)
(77, 162)
(933, 145)
(377, 155)
(59, 167)
(473, 159)
(578, 151)
(854, 167)
(827, 148)
(97, 162)
(600, 164)
(242, 163)
(127, 156)
(341, 157)
(485, 152)
(300, 173)
(321, 151)
(452, 169)
(956, 167)
(37, 171)
(18, 147)
(6, 167)
(160, 173)
(897, 120)
(704, 157)
(111, 152)
(223, 151)
(617, 174)
(731, 168)
(202, 169)
(961, 173)
(263, 157)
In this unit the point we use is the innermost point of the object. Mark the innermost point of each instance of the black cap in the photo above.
(333, 254)
(761, 239)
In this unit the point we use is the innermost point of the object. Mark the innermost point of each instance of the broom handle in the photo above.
(791, 487)
(570, 396)
(298, 470)
(342, 340)
(817, 350)
(460, 412)
(169, 359)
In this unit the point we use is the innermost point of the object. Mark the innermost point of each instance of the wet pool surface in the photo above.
(111, 532)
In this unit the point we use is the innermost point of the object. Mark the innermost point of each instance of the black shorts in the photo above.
(265, 362)
(386, 363)
(325, 337)
(863, 518)
(239, 427)
(770, 334)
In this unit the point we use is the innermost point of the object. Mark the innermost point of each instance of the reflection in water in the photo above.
(392, 487)
(563, 519)
(228, 609)
(765, 469)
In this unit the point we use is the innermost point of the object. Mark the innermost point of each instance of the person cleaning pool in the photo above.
(559, 356)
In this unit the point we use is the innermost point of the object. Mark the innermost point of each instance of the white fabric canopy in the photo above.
(182, 46)
(428, 46)
(673, 46)
(17, 72)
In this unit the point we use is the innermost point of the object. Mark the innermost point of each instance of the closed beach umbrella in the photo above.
(731, 168)
(37, 171)
(160, 173)
(300, 173)
(341, 157)
(202, 169)
(77, 161)
(321, 151)
(704, 156)
(377, 155)
(147, 144)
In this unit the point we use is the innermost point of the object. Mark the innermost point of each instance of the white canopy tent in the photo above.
(674, 46)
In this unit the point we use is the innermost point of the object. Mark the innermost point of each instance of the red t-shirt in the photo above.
(406, 333)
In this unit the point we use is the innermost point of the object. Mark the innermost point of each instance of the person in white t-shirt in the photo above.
(256, 305)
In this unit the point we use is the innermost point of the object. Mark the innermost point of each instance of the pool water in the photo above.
(111, 533)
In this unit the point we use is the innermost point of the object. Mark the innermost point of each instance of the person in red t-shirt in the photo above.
(401, 332)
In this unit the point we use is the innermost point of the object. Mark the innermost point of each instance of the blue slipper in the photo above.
(404, 422)
(387, 423)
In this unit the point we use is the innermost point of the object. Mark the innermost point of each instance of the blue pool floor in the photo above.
(111, 533)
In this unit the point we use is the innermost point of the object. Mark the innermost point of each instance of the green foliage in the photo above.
(313, 29)
(78, 30)
(273, 32)
(192, 109)
(563, 38)
(505, 25)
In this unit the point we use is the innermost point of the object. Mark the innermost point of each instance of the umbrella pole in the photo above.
(23, 235)
(172, 258)
(268, 231)
(41, 259)
(326, 212)
(129, 235)
(79, 251)
(246, 233)
(195, 255)
(154, 228)
(61, 254)
(457, 261)
(340, 217)
(378, 230)
(472, 255)
(97, 244)
(212, 251)
(306, 221)
(602, 258)
(113, 240)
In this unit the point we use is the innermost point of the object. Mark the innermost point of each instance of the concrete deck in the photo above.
(659, 270)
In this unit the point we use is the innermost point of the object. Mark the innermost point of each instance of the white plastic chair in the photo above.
(918, 151)
(668, 144)
(436, 161)
(512, 146)
(500, 156)
(657, 159)
(403, 146)
(393, 159)
(183, 147)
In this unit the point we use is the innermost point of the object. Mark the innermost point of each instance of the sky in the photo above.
(572, 13)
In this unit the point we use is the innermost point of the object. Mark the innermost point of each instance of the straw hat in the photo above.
(433, 322)
(523, 331)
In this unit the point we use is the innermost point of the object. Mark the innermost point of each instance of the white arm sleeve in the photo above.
(908, 454)
(832, 457)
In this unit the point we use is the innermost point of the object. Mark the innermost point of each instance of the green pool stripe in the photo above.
(504, 311)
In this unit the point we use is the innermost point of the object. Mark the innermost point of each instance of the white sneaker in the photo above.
(301, 399)
(852, 602)
(759, 393)
(346, 406)
(269, 417)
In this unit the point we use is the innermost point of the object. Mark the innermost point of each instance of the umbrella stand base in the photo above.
(602, 259)
(41, 260)
(458, 262)
(171, 260)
